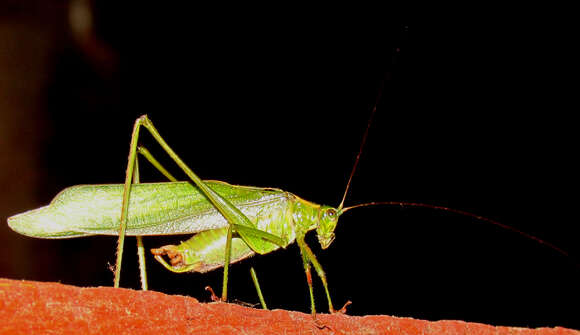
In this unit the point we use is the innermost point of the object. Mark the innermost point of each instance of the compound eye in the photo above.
(331, 212)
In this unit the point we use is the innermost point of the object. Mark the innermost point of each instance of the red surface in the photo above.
(28, 307)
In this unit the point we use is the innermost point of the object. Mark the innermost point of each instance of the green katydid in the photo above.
(262, 219)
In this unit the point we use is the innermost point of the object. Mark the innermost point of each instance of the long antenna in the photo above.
(436, 207)
(362, 143)
(475, 216)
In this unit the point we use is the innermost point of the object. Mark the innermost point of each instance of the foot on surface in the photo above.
(343, 309)
(213, 297)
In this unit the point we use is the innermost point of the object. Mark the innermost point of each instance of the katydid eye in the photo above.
(331, 212)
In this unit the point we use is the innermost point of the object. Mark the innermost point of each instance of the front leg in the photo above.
(306, 262)
(308, 258)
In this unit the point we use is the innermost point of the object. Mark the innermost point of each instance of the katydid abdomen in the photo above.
(204, 251)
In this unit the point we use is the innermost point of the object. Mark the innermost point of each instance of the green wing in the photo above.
(154, 209)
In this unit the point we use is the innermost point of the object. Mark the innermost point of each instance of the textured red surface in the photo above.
(28, 307)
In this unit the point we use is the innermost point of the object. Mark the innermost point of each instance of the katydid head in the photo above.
(327, 220)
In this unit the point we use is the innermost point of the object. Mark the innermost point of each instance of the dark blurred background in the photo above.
(472, 117)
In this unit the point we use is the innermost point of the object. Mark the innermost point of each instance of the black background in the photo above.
(470, 118)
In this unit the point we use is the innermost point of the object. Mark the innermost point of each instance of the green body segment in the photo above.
(154, 209)
(205, 251)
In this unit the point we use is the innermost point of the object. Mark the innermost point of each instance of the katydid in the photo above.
(231, 222)
(262, 219)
